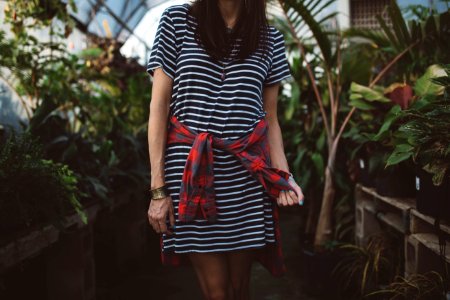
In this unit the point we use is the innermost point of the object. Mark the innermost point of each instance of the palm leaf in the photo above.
(304, 14)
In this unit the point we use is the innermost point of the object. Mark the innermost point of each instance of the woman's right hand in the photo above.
(158, 212)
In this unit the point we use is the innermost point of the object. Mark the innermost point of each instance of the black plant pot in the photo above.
(317, 272)
(396, 181)
(430, 199)
(365, 177)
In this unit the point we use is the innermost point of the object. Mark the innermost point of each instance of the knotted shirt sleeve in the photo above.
(279, 69)
(164, 51)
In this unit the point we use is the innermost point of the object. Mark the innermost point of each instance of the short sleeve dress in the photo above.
(228, 108)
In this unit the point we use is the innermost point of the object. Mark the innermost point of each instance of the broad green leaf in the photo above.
(438, 170)
(424, 85)
(404, 148)
(355, 96)
(367, 93)
(391, 116)
(292, 102)
(307, 16)
(397, 157)
(361, 104)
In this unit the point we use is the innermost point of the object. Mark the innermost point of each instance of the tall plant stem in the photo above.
(338, 70)
(333, 109)
(324, 224)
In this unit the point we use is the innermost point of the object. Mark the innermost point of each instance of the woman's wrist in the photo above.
(156, 182)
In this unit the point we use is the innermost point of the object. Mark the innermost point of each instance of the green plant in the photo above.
(428, 286)
(33, 189)
(423, 130)
(362, 269)
(94, 119)
(370, 127)
(328, 91)
(431, 28)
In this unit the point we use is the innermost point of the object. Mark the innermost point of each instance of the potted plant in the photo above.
(395, 181)
(423, 137)
(416, 34)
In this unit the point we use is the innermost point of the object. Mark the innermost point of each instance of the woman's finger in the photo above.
(300, 196)
(298, 191)
(162, 226)
(284, 198)
(292, 197)
(279, 198)
(171, 215)
(156, 227)
(152, 222)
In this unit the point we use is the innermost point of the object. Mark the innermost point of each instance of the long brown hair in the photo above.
(251, 26)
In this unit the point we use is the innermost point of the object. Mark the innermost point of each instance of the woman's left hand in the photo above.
(288, 198)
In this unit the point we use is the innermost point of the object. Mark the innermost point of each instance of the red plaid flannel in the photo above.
(197, 196)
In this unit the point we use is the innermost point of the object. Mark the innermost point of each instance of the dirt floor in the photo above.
(180, 283)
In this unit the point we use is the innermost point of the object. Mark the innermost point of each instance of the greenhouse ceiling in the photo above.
(112, 18)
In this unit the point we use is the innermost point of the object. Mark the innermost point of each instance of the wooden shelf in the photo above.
(400, 203)
(35, 241)
(424, 223)
(389, 218)
(431, 242)
(421, 244)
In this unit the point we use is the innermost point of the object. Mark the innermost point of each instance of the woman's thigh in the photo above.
(212, 273)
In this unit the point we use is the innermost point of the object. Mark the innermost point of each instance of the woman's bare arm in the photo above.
(157, 138)
(157, 125)
(275, 139)
(277, 155)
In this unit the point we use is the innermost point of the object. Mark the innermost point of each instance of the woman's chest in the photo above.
(194, 63)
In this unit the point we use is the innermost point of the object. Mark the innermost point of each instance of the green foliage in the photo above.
(362, 269)
(423, 132)
(33, 189)
(305, 13)
(23, 15)
(425, 86)
(376, 122)
(428, 286)
(360, 96)
(89, 109)
(430, 28)
(304, 137)
(307, 135)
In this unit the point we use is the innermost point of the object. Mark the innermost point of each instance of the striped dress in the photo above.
(228, 108)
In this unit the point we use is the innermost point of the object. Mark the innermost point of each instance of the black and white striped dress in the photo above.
(227, 108)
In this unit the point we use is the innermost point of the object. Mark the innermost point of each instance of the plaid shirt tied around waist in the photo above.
(197, 196)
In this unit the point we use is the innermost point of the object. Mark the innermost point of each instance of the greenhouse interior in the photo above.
(364, 122)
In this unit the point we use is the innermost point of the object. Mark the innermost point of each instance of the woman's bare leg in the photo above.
(239, 269)
(212, 273)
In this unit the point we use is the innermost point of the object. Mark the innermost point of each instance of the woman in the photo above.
(218, 168)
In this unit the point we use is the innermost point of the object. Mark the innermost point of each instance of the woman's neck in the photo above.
(230, 11)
